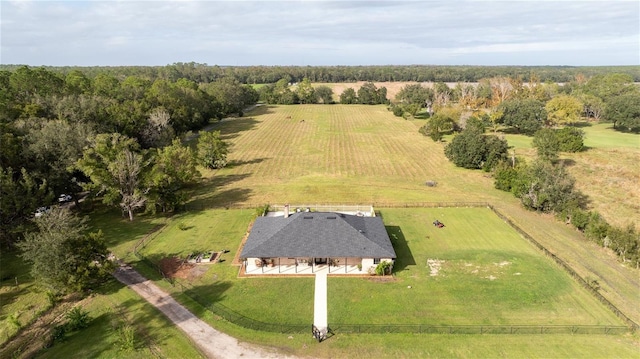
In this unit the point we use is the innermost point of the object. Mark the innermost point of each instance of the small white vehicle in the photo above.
(63, 198)
(41, 211)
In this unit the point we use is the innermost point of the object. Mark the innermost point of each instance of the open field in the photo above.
(363, 154)
(608, 171)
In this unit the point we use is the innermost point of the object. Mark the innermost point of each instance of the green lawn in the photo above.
(476, 246)
(112, 304)
(489, 275)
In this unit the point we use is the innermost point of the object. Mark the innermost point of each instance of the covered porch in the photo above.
(305, 266)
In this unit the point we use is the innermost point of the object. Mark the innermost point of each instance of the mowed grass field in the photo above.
(487, 275)
(363, 154)
(355, 154)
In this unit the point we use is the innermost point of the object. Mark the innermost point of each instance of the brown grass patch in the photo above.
(610, 178)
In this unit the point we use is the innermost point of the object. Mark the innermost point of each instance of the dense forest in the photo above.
(113, 136)
(203, 73)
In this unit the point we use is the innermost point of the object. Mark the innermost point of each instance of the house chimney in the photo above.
(286, 211)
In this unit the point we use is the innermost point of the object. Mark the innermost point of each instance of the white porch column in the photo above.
(320, 303)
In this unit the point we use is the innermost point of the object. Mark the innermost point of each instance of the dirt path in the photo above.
(212, 343)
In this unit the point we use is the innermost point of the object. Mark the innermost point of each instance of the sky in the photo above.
(320, 33)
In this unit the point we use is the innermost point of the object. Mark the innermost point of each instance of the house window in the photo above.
(376, 260)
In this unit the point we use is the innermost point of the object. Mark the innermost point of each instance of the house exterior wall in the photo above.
(368, 265)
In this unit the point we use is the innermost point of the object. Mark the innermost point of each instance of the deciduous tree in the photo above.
(64, 256)
(212, 150)
(624, 112)
(564, 109)
(473, 149)
(305, 92)
(116, 170)
(547, 144)
(174, 167)
(526, 116)
(324, 94)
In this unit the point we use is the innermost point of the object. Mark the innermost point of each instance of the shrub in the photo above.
(504, 176)
(546, 188)
(13, 319)
(78, 318)
(57, 334)
(262, 210)
(52, 298)
(397, 110)
(546, 142)
(383, 268)
(571, 139)
(126, 337)
(597, 228)
(579, 218)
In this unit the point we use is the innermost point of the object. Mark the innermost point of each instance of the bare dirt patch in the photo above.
(434, 266)
(174, 267)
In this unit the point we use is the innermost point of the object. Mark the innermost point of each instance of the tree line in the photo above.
(285, 93)
(203, 73)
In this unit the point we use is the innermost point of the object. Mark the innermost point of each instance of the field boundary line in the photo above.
(633, 325)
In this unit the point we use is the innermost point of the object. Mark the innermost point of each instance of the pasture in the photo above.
(607, 171)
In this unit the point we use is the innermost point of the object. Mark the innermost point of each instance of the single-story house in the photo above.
(308, 242)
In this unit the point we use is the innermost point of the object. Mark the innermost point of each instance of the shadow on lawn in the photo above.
(220, 199)
(210, 195)
(231, 128)
(403, 253)
(236, 163)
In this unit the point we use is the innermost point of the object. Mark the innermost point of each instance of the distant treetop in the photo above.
(203, 73)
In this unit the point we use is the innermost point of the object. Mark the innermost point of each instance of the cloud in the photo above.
(319, 32)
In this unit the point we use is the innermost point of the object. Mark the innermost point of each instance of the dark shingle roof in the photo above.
(318, 234)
